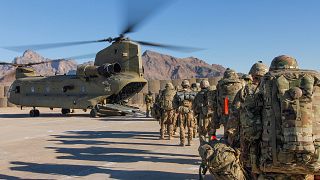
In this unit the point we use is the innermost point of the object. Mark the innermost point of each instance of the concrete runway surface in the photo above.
(54, 146)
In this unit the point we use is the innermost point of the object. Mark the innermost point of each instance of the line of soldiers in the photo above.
(186, 109)
(271, 124)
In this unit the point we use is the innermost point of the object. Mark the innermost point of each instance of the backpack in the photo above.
(226, 92)
(166, 100)
(290, 140)
(221, 160)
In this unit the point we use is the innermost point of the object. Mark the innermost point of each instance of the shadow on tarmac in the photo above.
(94, 152)
(85, 170)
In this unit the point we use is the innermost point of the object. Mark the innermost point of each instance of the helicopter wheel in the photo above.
(65, 111)
(93, 113)
(34, 113)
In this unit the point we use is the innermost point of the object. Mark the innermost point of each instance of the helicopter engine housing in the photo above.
(95, 71)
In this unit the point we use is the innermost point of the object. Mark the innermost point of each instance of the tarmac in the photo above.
(54, 146)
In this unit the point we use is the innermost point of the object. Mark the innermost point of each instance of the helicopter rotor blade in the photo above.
(170, 47)
(136, 15)
(53, 45)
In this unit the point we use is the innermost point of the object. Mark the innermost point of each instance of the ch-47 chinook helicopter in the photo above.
(117, 74)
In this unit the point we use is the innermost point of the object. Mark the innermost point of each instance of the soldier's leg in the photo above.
(147, 110)
(182, 126)
(170, 123)
(190, 127)
(195, 127)
(174, 124)
(162, 124)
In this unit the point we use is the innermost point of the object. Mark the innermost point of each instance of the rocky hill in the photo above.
(7, 72)
(160, 66)
(156, 66)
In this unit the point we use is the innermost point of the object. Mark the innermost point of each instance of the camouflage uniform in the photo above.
(202, 110)
(221, 160)
(195, 87)
(156, 110)
(288, 140)
(167, 110)
(183, 102)
(242, 105)
(227, 88)
(148, 99)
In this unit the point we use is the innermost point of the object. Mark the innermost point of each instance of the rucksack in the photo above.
(290, 140)
(166, 99)
(226, 92)
(222, 161)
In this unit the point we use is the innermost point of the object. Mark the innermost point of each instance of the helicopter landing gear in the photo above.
(65, 111)
(34, 112)
(94, 111)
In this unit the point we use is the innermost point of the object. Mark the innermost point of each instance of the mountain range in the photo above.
(156, 66)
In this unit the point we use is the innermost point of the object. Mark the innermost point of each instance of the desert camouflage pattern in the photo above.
(167, 111)
(283, 62)
(148, 99)
(221, 160)
(156, 109)
(185, 119)
(227, 89)
(290, 110)
(239, 127)
(203, 112)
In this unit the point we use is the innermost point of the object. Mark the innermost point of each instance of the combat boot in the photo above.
(161, 134)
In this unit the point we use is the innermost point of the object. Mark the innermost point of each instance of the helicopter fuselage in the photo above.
(116, 75)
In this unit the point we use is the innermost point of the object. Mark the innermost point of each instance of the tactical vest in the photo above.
(202, 102)
(226, 92)
(290, 122)
(185, 98)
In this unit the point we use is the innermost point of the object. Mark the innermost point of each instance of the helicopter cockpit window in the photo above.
(32, 89)
(115, 51)
(17, 89)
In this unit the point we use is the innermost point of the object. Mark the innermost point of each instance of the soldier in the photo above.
(227, 88)
(167, 110)
(195, 87)
(183, 102)
(238, 120)
(202, 110)
(156, 110)
(287, 105)
(148, 99)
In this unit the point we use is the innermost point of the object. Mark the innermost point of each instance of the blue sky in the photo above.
(234, 33)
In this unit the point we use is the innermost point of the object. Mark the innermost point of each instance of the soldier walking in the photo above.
(202, 110)
(167, 110)
(227, 88)
(148, 99)
(239, 119)
(183, 102)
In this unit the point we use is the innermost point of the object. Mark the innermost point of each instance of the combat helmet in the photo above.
(247, 77)
(204, 84)
(283, 62)
(169, 86)
(194, 85)
(230, 74)
(258, 69)
(185, 84)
